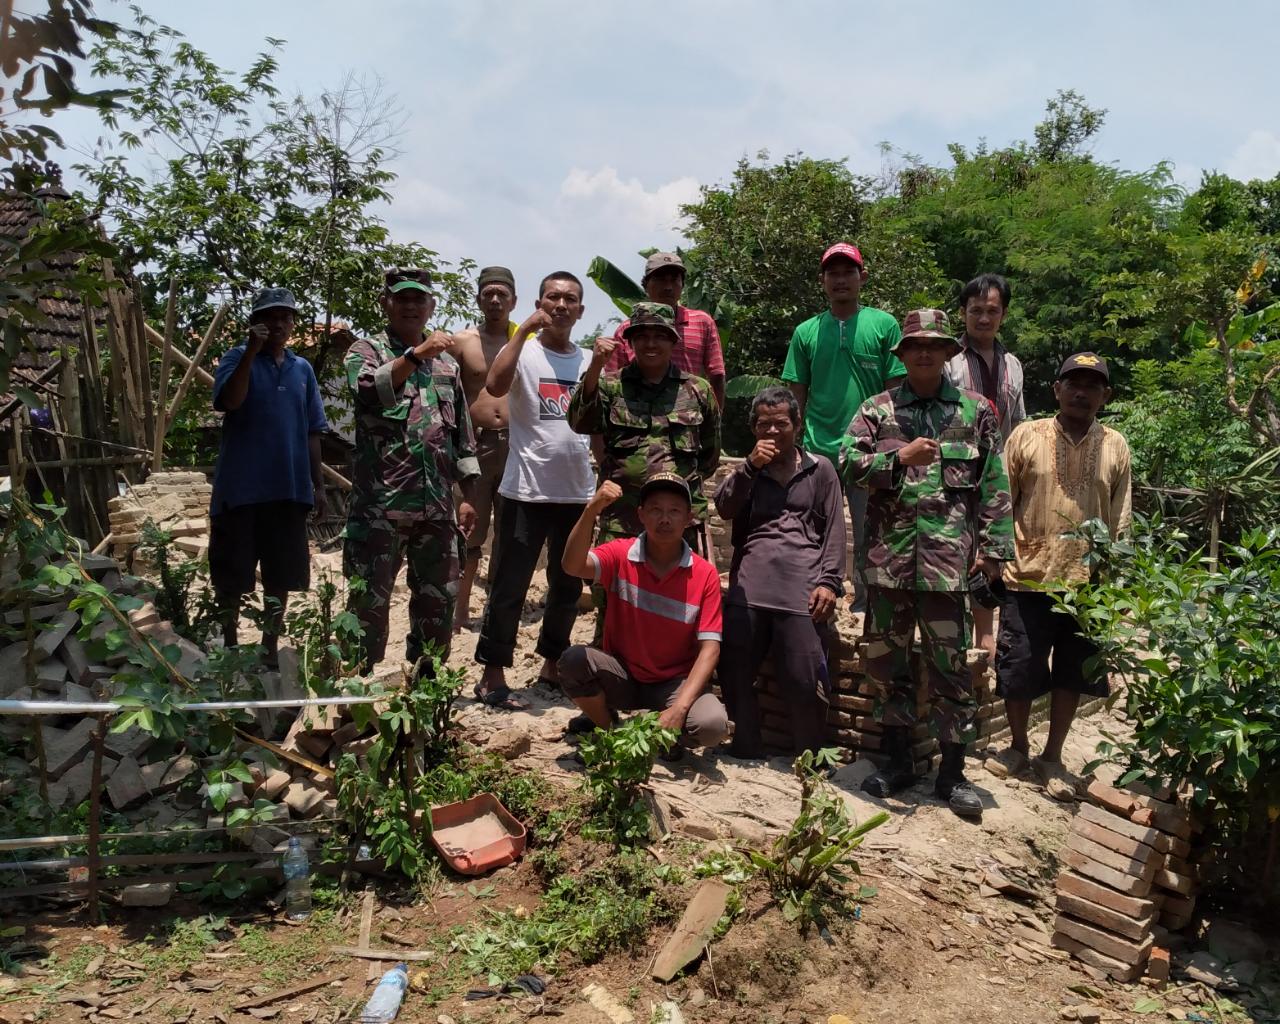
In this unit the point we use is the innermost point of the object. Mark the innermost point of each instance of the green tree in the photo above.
(757, 241)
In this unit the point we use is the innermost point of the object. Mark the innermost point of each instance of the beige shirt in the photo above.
(1056, 485)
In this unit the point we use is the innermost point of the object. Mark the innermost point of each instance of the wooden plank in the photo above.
(288, 993)
(193, 364)
(394, 955)
(366, 926)
(693, 931)
(162, 388)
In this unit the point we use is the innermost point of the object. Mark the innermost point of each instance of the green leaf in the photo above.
(620, 288)
(749, 385)
(1148, 1005)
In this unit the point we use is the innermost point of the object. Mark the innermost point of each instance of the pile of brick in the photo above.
(177, 502)
(1126, 879)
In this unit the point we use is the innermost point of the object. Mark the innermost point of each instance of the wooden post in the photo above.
(141, 363)
(162, 389)
(193, 364)
(95, 816)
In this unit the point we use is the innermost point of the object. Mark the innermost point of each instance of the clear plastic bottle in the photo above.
(384, 1004)
(297, 882)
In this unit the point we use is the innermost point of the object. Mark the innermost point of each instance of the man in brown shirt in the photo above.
(788, 536)
(1062, 472)
(475, 350)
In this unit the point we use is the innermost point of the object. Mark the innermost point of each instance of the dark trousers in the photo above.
(800, 668)
(523, 529)
(1032, 629)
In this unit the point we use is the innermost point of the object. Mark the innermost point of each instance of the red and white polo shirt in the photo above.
(654, 625)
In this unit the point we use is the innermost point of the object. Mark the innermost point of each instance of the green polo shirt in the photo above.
(843, 363)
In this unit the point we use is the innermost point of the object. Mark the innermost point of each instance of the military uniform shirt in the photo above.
(672, 426)
(925, 522)
(413, 442)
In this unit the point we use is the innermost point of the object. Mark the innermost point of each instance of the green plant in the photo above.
(327, 636)
(1197, 646)
(618, 763)
(383, 802)
(806, 864)
(185, 597)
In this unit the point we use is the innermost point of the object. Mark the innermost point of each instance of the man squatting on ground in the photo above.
(699, 353)
(268, 474)
(788, 535)
(835, 362)
(1063, 471)
(939, 512)
(987, 367)
(413, 443)
(547, 482)
(662, 623)
(474, 351)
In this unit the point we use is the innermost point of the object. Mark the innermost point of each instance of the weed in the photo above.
(806, 864)
(182, 944)
(618, 763)
(285, 956)
(185, 597)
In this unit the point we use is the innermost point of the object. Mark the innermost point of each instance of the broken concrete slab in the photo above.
(51, 674)
(304, 799)
(54, 632)
(126, 786)
(132, 742)
(77, 782)
(275, 783)
(73, 655)
(163, 777)
(147, 894)
(64, 747)
(693, 931)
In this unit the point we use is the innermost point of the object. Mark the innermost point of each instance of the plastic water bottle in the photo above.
(384, 1004)
(297, 882)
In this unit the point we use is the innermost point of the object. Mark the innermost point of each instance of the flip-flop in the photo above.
(500, 698)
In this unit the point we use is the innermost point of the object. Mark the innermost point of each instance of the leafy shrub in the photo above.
(806, 864)
(618, 763)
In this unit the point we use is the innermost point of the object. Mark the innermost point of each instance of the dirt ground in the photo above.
(927, 948)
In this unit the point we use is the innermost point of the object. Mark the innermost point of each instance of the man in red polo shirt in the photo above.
(662, 621)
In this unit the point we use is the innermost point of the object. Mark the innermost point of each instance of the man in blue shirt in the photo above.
(268, 475)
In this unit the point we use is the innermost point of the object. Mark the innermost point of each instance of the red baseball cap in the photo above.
(846, 249)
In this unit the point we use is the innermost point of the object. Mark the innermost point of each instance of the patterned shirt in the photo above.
(1057, 484)
(672, 426)
(412, 443)
(1001, 384)
(927, 524)
(698, 353)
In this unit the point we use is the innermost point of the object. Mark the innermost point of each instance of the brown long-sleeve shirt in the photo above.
(786, 540)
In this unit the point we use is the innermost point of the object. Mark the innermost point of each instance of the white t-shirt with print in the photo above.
(546, 460)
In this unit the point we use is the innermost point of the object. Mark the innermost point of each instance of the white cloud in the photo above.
(1257, 157)
(607, 196)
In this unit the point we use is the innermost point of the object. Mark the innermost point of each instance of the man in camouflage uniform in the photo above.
(413, 443)
(652, 418)
(939, 513)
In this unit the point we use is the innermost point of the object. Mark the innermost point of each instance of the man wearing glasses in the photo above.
(413, 443)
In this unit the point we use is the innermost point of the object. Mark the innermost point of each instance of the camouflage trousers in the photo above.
(695, 536)
(374, 550)
(943, 620)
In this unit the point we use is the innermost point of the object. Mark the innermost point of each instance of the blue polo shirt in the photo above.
(264, 455)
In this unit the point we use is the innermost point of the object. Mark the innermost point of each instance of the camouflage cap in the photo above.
(653, 314)
(666, 481)
(273, 298)
(928, 323)
(1090, 361)
(660, 261)
(399, 279)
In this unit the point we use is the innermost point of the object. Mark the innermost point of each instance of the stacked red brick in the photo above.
(1125, 873)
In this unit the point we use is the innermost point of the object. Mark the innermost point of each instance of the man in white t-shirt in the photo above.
(546, 484)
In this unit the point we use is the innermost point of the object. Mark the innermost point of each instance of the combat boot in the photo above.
(953, 787)
(899, 773)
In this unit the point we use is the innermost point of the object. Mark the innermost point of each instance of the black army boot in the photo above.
(952, 786)
(899, 773)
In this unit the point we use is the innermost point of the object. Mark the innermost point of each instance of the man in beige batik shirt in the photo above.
(1062, 471)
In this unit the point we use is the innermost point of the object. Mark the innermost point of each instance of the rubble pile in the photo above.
(177, 502)
(1127, 882)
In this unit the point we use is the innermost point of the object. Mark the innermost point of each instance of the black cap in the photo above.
(496, 275)
(1086, 361)
(665, 481)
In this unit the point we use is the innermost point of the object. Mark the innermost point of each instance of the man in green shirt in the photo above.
(836, 361)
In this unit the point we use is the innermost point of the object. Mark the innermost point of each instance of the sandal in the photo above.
(500, 698)
(1009, 763)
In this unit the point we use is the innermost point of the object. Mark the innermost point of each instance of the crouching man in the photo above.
(662, 621)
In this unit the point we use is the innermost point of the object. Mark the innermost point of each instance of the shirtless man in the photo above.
(475, 350)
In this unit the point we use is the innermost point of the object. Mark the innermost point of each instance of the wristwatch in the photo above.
(413, 357)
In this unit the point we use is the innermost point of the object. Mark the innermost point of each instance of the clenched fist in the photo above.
(609, 493)
(603, 350)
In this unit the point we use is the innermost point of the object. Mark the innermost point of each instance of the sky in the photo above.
(542, 134)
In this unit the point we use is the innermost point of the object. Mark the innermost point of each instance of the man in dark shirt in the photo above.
(787, 511)
(268, 473)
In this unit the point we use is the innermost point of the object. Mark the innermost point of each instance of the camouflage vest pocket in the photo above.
(685, 429)
(961, 466)
(445, 401)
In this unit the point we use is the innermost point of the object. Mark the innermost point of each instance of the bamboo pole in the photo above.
(162, 389)
(95, 816)
(193, 364)
(141, 363)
